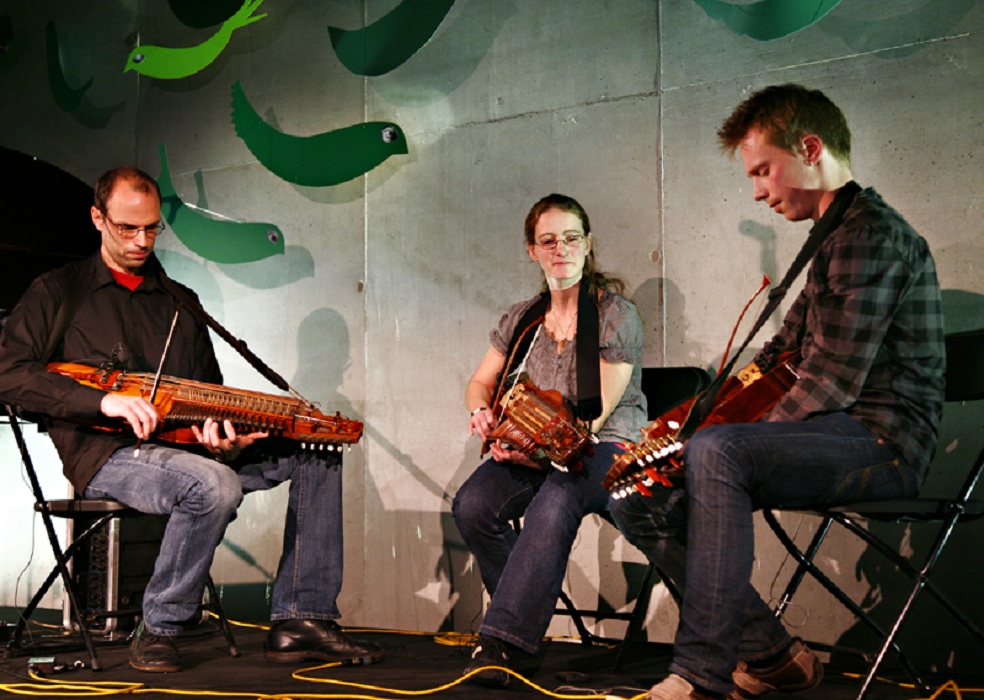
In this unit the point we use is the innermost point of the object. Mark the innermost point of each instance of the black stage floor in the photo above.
(413, 662)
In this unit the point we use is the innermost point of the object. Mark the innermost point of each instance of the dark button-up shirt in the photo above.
(870, 325)
(106, 321)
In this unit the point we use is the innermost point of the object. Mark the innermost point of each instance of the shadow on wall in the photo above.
(931, 637)
(666, 343)
(433, 74)
(323, 348)
(907, 31)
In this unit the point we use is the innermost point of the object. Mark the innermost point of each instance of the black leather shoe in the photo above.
(293, 641)
(152, 653)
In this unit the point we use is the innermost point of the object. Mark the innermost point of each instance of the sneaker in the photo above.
(153, 653)
(489, 651)
(675, 687)
(797, 669)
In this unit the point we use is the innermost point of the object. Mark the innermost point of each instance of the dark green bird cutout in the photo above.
(315, 161)
(214, 239)
(66, 97)
(391, 40)
(767, 19)
(173, 63)
(199, 15)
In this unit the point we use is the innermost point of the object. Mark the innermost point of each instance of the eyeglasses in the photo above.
(129, 231)
(570, 240)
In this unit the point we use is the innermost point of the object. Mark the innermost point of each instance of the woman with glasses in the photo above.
(601, 376)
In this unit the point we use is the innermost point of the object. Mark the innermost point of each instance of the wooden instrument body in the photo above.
(531, 419)
(182, 403)
(743, 398)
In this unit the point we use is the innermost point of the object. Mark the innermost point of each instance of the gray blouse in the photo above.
(620, 338)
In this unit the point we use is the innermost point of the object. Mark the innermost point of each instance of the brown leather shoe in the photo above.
(293, 641)
(153, 653)
(797, 669)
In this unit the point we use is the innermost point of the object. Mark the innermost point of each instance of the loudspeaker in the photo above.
(111, 571)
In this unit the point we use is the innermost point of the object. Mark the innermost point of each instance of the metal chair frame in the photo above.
(665, 388)
(103, 510)
(965, 382)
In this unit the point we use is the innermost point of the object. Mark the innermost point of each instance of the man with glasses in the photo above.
(115, 308)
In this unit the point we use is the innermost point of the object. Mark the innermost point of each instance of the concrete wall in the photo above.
(382, 303)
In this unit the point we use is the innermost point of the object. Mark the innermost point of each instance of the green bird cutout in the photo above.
(768, 19)
(66, 97)
(391, 40)
(315, 161)
(170, 64)
(214, 239)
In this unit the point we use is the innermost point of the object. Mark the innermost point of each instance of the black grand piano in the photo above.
(44, 221)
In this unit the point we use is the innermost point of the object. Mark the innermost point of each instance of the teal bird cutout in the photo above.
(170, 64)
(315, 161)
(767, 19)
(391, 40)
(66, 97)
(214, 239)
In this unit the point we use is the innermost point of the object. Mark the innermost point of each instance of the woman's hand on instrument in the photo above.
(225, 444)
(501, 453)
(481, 423)
(135, 410)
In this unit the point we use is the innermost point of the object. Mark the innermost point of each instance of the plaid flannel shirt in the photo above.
(869, 322)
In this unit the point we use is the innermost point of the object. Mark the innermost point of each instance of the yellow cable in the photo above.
(456, 639)
(44, 687)
(950, 685)
(430, 691)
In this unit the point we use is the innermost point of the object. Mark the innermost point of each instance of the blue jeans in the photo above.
(201, 496)
(732, 470)
(524, 573)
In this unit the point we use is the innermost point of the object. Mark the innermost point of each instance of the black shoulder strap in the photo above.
(191, 303)
(588, 368)
(587, 352)
(831, 219)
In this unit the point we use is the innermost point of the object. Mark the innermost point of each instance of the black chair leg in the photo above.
(638, 616)
(922, 578)
(904, 565)
(586, 636)
(213, 600)
(61, 561)
(801, 568)
(841, 597)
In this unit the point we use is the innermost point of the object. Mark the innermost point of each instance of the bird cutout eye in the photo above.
(389, 134)
(138, 58)
(273, 236)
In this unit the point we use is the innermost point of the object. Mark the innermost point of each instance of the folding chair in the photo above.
(100, 511)
(665, 388)
(965, 382)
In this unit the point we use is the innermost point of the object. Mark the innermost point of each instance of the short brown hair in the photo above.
(787, 113)
(140, 180)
